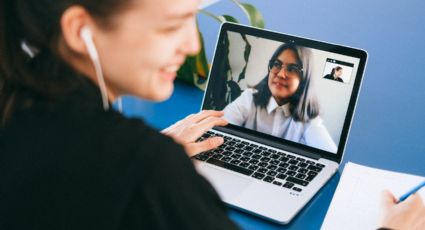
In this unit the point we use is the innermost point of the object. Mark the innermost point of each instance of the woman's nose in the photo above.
(282, 73)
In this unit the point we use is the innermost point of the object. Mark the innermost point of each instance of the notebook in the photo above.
(356, 203)
(289, 102)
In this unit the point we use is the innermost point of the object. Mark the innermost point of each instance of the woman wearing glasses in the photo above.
(283, 104)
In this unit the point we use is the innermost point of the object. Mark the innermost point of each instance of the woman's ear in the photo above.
(73, 20)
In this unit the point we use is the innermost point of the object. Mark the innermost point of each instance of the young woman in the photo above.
(283, 104)
(335, 74)
(67, 161)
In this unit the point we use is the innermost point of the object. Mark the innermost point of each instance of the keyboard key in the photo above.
(262, 148)
(238, 151)
(274, 162)
(253, 167)
(239, 146)
(288, 185)
(244, 165)
(296, 189)
(262, 170)
(314, 168)
(235, 162)
(272, 151)
(300, 176)
(230, 166)
(256, 156)
(284, 159)
(303, 165)
(253, 145)
(226, 153)
(312, 173)
(272, 167)
(281, 176)
(217, 156)
(297, 181)
(320, 165)
(265, 153)
(226, 159)
(272, 173)
(201, 157)
(247, 153)
(309, 178)
(262, 164)
(282, 154)
(291, 173)
(258, 175)
(303, 171)
(253, 161)
(275, 156)
(290, 156)
(244, 159)
(293, 162)
(300, 159)
(293, 168)
(230, 148)
(277, 183)
(257, 151)
(235, 156)
(281, 170)
(245, 143)
(310, 162)
(265, 159)
(268, 179)
(248, 148)
(284, 165)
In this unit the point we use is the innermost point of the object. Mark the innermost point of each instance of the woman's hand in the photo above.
(409, 214)
(188, 130)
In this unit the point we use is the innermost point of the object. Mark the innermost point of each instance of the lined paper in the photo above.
(356, 202)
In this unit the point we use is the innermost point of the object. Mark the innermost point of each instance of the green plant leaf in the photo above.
(255, 18)
(228, 18)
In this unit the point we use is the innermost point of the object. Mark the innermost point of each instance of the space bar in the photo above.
(230, 166)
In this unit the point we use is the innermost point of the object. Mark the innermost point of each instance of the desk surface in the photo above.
(388, 124)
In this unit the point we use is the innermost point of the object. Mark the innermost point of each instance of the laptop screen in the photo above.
(284, 87)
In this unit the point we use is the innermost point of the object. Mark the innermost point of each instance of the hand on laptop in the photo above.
(188, 130)
(409, 214)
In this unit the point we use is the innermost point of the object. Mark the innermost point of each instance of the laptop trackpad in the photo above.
(227, 184)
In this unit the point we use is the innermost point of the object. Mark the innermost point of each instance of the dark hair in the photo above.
(36, 25)
(303, 104)
(335, 69)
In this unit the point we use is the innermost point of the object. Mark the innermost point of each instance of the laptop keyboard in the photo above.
(262, 163)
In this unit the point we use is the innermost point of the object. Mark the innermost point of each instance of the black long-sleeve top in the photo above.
(68, 164)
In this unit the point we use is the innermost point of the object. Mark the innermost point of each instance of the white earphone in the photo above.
(94, 56)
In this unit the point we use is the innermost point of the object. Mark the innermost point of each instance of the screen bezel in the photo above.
(309, 43)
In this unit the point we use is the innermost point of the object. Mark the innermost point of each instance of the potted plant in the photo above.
(195, 69)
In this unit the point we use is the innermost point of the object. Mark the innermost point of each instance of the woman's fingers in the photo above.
(208, 144)
(387, 199)
(205, 114)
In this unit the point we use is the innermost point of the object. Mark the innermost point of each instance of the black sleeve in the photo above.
(175, 196)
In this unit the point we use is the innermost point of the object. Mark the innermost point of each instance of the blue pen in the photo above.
(413, 190)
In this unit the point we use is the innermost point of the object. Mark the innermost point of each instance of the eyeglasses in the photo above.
(292, 70)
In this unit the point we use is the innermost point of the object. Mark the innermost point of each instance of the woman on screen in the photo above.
(283, 104)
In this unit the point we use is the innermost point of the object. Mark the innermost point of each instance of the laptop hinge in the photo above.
(270, 143)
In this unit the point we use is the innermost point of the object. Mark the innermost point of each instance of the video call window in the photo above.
(339, 71)
(279, 89)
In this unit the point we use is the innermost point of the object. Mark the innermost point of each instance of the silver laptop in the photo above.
(289, 102)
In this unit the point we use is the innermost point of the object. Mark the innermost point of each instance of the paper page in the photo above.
(356, 202)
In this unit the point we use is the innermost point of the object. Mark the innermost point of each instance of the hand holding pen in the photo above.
(406, 212)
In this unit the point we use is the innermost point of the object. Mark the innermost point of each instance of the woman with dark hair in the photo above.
(335, 74)
(67, 161)
(284, 103)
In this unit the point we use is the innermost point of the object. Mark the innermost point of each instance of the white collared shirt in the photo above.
(277, 121)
